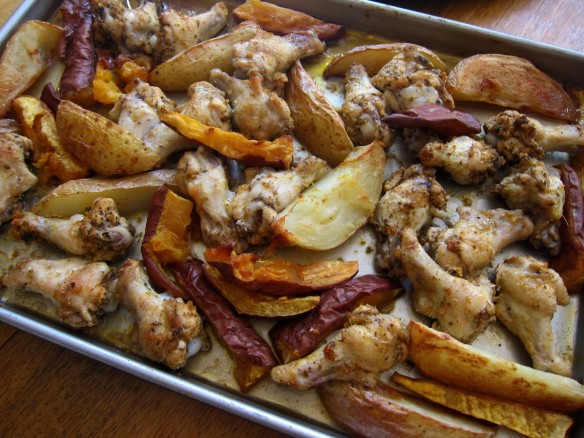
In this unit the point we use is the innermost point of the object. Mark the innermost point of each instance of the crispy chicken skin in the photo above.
(410, 80)
(528, 295)
(459, 307)
(363, 109)
(15, 178)
(269, 56)
(208, 105)
(99, 234)
(165, 327)
(257, 203)
(258, 113)
(476, 238)
(179, 31)
(412, 197)
(538, 190)
(80, 289)
(468, 161)
(370, 344)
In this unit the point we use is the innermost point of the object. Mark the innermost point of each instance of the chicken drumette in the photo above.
(167, 328)
(370, 344)
(99, 234)
(208, 105)
(528, 295)
(80, 290)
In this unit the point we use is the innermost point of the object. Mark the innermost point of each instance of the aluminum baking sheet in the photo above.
(444, 36)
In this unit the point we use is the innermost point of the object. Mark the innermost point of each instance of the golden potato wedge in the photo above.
(101, 144)
(317, 125)
(331, 210)
(382, 412)
(530, 421)
(195, 63)
(27, 55)
(375, 56)
(511, 82)
(49, 155)
(131, 194)
(441, 357)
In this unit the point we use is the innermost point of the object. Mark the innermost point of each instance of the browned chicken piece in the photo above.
(168, 328)
(81, 290)
(476, 238)
(528, 295)
(269, 56)
(459, 307)
(410, 80)
(468, 161)
(202, 176)
(538, 190)
(370, 344)
(257, 203)
(517, 136)
(180, 31)
(208, 105)
(363, 109)
(15, 178)
(99, 234)
(258, 113)
(412, 198)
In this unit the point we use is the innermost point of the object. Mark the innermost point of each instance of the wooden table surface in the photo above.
(49, 391)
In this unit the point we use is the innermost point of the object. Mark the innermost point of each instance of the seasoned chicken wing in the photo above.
(208, 105)
(258, 113)
(370, 344)
(257, 203)
(538, 190)
(459, 307)
(475, 239)
(468, 161)
(412, 198)
(167, 328)
(410, 80)
(528, 295)
(269, 56)
(99, 234)
(81, 290)
(15, 178)
(363, 109)
(179, 31)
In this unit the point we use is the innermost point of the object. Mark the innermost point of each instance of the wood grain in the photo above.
(49, 391)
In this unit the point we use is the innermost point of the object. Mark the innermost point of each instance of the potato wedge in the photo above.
(530, 421)
(375, 56)
(195, 63)
(511, 82)
(27, 55)
(101, 144)
(131, 194)
(317, 125)
(384, 412)
(441, 357)
(332, 209)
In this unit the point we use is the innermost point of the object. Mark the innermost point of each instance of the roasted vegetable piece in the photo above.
(28, 53)
(382, 412)
(106, 84)
(252, 355)
(277, 153)
(529, 421)
(49, 155)
(441, 357)
(296, 338)
(279, 20)
(78, 51)
(317, 125)
(255, 303)
(569, 263)
(277, 276)
(445, 122)
(511, 82)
